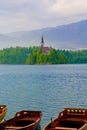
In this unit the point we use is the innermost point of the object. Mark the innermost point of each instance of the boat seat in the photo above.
(63, 128)
(84, 127)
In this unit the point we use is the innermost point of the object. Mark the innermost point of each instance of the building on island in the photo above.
(44, 49)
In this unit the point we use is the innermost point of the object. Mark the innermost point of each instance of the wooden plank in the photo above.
(13, 127)
(63, 128)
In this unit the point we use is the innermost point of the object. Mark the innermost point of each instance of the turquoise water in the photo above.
(48, 88)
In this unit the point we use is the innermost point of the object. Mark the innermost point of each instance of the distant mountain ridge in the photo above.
(70, 36)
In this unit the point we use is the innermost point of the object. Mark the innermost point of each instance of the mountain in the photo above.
(70, 36)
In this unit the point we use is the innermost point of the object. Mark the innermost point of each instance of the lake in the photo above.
(48, 88)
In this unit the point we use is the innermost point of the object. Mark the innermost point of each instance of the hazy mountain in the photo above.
(71, 36)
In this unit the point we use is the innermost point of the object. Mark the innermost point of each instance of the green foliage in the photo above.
(16, 55)
(76, 57)
(34, 55)
(38, 57)
(57, 57)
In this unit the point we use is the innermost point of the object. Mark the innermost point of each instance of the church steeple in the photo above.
(44, 49)
(42, 41)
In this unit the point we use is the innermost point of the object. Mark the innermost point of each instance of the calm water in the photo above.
(48, 88)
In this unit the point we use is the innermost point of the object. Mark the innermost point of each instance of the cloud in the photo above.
(67, 11)
(69, 7)
(21, 15)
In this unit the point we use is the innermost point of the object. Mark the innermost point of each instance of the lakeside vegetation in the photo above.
(34, 55)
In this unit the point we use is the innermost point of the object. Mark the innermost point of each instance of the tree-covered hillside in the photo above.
(53, 57)
(16, 55)
(34, 55)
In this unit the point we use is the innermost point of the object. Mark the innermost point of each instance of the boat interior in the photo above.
(16, 124)
(67, 125)
(70, 119)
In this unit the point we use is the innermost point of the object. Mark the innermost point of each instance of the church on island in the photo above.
(44, 49)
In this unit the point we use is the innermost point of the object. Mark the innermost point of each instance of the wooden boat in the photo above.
(23, 120)
(3, 110)
(69, 119)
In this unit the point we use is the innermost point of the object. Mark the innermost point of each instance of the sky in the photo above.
(23, 15)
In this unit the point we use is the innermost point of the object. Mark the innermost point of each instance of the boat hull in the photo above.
(23, 120)
(3, 110)
(69, 119)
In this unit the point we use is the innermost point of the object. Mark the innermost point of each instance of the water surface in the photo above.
(48, 88)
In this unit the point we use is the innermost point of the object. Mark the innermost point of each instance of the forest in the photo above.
(34, 55)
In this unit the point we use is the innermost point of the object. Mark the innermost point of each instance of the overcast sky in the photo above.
(21, 15)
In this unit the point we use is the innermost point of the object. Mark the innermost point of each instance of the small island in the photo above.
(42, 55)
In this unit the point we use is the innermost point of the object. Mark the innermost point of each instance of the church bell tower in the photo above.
(42, 42)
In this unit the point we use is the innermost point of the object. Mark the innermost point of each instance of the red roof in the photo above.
(45, 49)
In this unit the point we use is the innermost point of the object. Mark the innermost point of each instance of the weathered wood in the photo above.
(25, 120)
(69, 119)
